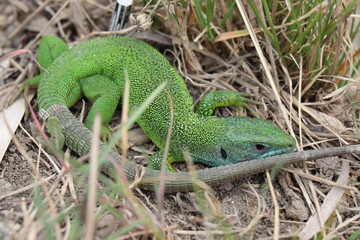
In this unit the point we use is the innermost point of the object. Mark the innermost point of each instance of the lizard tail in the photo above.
(78, 138)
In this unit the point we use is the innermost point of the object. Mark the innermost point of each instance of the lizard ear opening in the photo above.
(223, 154)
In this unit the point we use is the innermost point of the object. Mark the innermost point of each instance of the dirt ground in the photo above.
(247, 204)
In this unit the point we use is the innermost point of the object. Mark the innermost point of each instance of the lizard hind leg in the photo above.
(105, 96)
(223, 98)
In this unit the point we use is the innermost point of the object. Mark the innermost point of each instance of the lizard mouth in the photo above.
(275, 152)
(278, 151)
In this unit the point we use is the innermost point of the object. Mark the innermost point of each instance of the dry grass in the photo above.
(300, 64)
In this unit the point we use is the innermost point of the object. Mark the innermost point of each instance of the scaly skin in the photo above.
(211, 140)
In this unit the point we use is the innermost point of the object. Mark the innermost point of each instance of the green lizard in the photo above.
(95, 69)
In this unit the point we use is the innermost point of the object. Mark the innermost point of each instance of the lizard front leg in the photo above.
(223, 98)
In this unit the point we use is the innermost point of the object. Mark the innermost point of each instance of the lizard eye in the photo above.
(260, 147)
(223, 154)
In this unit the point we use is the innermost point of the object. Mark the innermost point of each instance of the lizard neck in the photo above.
(196, 133)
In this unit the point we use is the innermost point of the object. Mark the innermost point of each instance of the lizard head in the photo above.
(247, 138)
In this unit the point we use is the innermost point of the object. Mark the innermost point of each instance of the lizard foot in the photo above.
(156, 161)
(105, 133)
(224, 98)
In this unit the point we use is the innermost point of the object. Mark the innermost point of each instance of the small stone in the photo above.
(228, 186)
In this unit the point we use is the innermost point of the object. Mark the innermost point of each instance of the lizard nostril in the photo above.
(260, 147)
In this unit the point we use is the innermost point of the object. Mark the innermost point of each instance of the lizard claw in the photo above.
(169, 168)
(243, 102)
